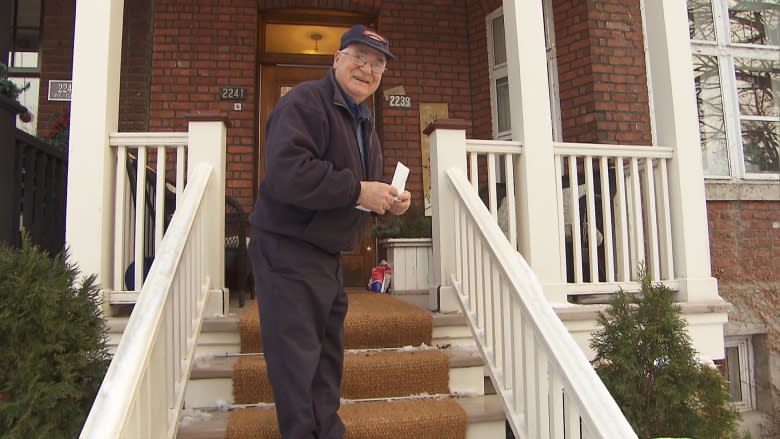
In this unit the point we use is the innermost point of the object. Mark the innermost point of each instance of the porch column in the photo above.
(677, 125)
(531, 120)
(207, 144)
(97, 53)
(448, 151)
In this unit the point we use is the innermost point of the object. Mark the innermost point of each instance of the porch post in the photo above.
(207, 144)
(448, 150)
(97, 53)
(531, 120)
(677, 125)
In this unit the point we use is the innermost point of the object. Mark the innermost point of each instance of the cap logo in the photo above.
(374, 36)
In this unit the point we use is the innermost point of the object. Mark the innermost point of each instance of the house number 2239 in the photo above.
(400, 101)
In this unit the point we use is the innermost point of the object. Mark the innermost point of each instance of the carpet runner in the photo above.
(389, 356)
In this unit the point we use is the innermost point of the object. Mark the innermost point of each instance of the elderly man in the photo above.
(323, 171)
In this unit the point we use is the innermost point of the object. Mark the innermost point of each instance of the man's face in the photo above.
(359, 82)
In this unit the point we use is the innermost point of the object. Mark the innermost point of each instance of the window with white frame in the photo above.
(736, 62)
(24, 57)
(499, 77)
(737, 369)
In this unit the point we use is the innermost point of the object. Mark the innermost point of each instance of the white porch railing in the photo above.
(143, 390)
(620, 206)
(139, 225)
(548, 387)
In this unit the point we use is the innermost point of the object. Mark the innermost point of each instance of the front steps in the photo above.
(210, 399)
(484, 415)
(219, 334)
(211, 382)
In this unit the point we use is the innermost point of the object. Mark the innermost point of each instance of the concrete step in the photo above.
(219, 333)
(211, 382)
(485, 417)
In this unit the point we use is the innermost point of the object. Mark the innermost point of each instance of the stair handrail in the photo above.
(547, 385)
(143, 391)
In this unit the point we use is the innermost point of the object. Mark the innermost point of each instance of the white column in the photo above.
(532, 125)
(676, 117)
(207, 144)
(448, 150)
(97, 54)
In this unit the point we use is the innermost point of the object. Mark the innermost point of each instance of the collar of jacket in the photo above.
(359, 112)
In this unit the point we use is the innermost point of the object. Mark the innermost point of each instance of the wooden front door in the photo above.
(276, 81)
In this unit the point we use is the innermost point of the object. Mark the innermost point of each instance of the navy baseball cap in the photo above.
(365, 35)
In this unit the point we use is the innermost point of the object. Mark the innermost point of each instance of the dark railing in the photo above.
(33, 176)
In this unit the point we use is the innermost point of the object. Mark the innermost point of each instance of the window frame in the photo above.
(726, 53)
(496, 72)
(744, 346)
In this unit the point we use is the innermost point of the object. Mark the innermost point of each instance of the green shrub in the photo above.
(412, 224)
(646, 359)
(52, 344)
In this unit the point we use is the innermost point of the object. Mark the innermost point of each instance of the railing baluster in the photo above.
(159, 202)
(492, 199)
(574, 219)
(606, 209)
(590, 214)
(621, 222)
(509, 173)
(651, 207)
(140, 217)
(665, 223)
(120, 217)
(637, 238)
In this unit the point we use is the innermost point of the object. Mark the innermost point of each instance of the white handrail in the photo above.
(143, 390)
(547, 385)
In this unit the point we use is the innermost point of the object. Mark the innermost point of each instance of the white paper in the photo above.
(399, 182)
(399, 178)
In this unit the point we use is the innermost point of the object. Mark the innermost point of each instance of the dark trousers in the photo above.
(302, 308)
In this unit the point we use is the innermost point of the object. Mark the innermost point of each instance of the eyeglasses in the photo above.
(377, 66)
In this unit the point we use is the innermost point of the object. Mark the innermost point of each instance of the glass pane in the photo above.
(302, 39)
(499, 42)
(760, 146)
(758, 86)
(29, 13)
(754, 22)
(24, 60)
(27, 40)
(502, 104)
(28, 98)
(700, 23)
(712, 128)
(732, 373)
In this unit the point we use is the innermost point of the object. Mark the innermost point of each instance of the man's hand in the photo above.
(377, 196)
(401, 204)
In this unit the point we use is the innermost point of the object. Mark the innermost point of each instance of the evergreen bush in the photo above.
(52, 344)
(646, 359)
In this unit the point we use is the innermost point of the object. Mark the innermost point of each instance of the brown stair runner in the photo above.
(385, 374)
(367, 420)
(373, 321)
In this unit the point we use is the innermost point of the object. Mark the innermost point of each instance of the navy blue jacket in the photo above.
(313, 168)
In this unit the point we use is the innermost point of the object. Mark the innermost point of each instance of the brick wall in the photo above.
(432, 48)
(136, 66)
(199, 46)
(602, 73)
(56, 59)
(744, 243)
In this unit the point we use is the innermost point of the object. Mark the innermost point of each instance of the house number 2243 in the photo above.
(400, 101)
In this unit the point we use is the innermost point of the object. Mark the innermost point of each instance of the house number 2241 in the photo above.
(400, 101)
